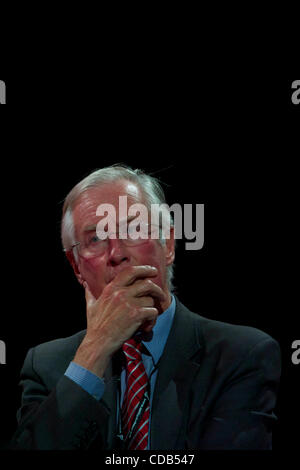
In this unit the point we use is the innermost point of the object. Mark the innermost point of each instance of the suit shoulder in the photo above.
(227, 337)
(61, 347)
(232, 332)
(48, 361)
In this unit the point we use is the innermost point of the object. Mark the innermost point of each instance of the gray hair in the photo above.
(149, 186)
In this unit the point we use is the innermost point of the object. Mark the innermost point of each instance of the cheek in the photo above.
(147, 253)
(92, 270)
(93, 263)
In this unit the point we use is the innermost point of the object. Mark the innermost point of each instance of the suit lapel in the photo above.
(179, 364)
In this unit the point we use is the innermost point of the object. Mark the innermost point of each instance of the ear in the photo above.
(74, 265)
(170, 247)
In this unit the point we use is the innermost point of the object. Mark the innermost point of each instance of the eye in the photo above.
(94, 239)
(132, 230)
(138, 230)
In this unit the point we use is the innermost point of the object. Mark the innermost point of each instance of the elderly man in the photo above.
(146, 373)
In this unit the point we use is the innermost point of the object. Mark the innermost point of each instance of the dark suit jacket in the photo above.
(216, 389)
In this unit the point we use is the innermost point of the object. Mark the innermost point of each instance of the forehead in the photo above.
(84, 210)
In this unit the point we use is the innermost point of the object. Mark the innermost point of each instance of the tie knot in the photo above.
(132, 350)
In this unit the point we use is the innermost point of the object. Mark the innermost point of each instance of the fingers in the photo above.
(131, 273)
(147, 288)
(145, 301)
(148, 314)
(127, 303)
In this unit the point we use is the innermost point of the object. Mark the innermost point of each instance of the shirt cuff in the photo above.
(90, 382)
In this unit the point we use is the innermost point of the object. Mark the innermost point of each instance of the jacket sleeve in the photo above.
(66, 417)
(242, 416)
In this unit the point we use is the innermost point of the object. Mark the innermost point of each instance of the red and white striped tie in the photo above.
(134, 398)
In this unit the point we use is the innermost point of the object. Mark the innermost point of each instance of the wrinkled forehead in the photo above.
(86, 205)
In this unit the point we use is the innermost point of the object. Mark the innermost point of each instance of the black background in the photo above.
(229, 142)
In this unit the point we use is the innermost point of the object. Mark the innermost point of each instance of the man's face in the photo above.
(100, 270)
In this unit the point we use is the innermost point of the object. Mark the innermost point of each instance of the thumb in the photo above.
(90, 299)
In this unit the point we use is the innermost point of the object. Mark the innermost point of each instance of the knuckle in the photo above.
(119, 296)
(134, 312)
(115, 294)
(155, 311)
(148, 284)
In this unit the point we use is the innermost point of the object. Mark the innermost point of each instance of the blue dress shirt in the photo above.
(95, 386)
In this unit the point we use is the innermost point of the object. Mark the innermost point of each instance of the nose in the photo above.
(117, 252)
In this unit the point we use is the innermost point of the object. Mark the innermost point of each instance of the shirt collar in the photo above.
(161, 332)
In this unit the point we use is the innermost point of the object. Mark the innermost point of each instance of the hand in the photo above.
(125, 304)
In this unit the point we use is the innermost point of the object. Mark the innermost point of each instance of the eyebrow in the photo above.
(91, 228)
